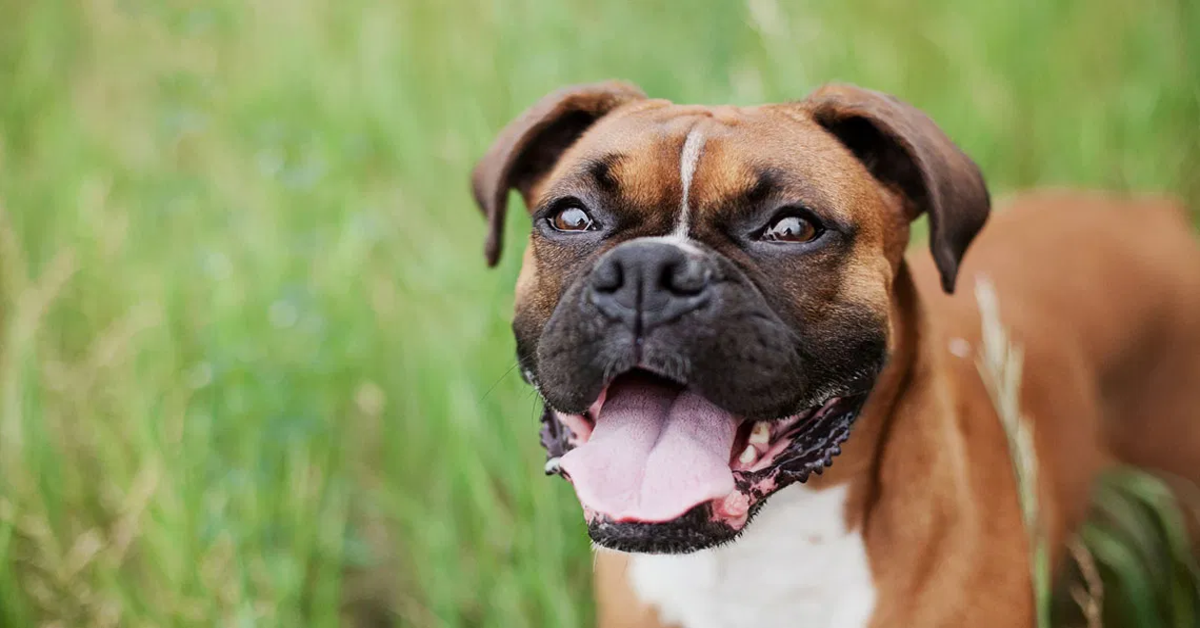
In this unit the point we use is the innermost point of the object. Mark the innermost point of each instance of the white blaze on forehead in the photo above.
(689, 157)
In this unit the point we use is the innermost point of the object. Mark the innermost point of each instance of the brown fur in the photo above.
(1102, 293)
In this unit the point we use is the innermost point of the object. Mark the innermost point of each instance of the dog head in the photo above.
(705, 300)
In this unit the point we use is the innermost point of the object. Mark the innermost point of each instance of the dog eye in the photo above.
(572, 219)
(791, 228)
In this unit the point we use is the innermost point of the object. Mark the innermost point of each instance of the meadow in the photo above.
(253, 369)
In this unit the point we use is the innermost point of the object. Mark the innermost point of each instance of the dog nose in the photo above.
(645, 284)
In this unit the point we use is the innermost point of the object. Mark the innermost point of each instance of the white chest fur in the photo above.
(796, 565)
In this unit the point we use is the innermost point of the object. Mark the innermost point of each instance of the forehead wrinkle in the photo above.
(787, 162)
(600, 169)
(744, 193)
(644, 170)
(734, 188)
(724, 182)
(766, 180)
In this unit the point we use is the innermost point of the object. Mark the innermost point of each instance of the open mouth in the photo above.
(658, 468)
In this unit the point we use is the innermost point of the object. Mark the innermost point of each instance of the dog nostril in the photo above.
(608, 278)
(685, 278)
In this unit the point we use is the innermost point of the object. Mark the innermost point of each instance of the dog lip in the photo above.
(638, 370)
(642, 367)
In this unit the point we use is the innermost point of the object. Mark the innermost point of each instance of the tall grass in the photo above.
(252, 369)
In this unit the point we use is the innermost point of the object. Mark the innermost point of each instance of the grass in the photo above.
(252, 368)
(1139, 539)
(1000, 365)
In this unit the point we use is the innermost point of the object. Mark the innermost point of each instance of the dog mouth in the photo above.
(660, 469)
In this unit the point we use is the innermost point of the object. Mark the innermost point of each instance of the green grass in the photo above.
(252, 368)
(1138, 536)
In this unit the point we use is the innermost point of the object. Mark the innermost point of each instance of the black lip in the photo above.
(555, 439)
(693, 531)
(812, 450)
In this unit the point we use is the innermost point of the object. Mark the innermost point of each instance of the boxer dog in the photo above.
(770, 416)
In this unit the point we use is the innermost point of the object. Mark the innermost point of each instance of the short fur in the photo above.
(1102, 293)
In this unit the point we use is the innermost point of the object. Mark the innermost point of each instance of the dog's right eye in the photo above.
(572, 219)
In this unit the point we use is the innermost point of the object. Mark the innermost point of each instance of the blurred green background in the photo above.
(253, 370)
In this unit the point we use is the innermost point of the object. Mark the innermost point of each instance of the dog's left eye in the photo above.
(791, 228)
(572, 219)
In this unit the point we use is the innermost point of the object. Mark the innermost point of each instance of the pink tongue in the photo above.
(654, 454)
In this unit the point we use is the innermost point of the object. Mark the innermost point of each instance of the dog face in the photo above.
(705, 299)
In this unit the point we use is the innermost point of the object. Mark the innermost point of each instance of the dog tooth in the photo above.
(750, 454)
(553, 465)
(761, 435)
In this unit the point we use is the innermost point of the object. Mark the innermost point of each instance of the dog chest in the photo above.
(796, 565)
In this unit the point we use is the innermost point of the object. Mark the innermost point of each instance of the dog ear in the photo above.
(904, 149)
(529, 146)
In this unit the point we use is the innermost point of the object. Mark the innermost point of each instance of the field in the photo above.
(253, 370)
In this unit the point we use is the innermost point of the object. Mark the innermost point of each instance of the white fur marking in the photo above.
(796, 565)
(688, 159)
(683, 242)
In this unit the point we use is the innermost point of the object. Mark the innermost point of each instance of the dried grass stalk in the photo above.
(1000, 363)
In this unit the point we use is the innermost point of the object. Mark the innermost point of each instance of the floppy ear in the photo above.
(904, 149)
(529, 146)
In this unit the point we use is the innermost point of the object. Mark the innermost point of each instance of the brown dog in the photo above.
(712, 296)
